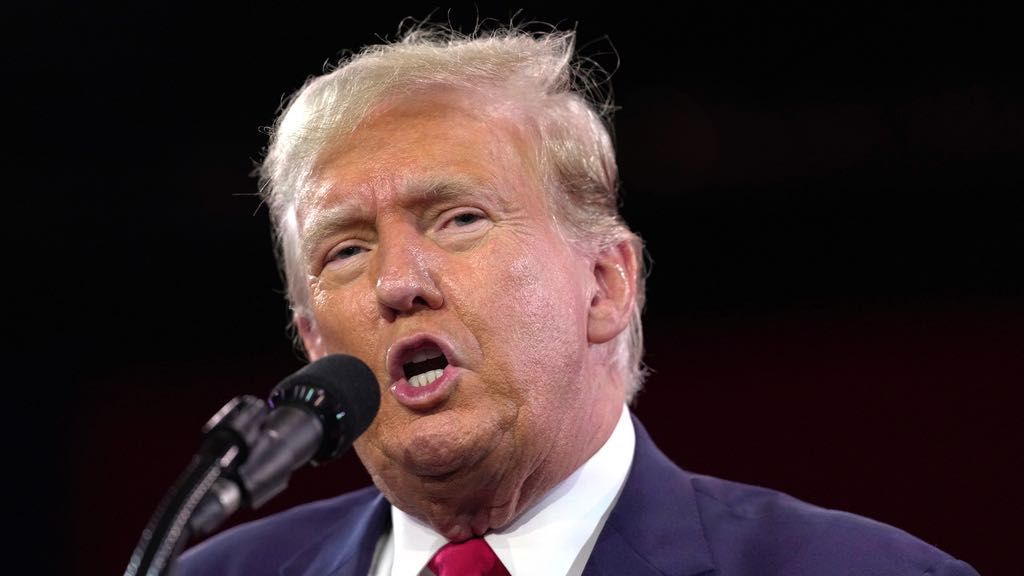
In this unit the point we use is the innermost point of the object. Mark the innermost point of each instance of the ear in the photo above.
(611, 306)
(310, 334)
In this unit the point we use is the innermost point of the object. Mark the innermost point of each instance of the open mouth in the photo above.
(426, 365)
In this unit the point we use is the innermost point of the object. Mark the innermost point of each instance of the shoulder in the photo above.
(741, 529)
(258, 547)
(752, 529)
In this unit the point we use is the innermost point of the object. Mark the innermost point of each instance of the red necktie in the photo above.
(473, 557)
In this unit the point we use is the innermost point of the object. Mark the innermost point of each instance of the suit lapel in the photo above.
(655, 527)
(347, 546)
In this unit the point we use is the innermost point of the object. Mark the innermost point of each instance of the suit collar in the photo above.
(347, 547)
(653, 530)
(655, 527)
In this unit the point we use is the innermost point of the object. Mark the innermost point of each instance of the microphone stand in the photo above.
(186, 509)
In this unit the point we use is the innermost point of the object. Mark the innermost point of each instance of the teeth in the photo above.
(425, 378)
(425, 354)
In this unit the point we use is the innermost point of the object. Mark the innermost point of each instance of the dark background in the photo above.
(831, 200)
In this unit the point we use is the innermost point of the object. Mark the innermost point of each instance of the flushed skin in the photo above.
(431, 227)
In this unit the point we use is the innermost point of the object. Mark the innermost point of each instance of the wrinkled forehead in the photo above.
(438, 136)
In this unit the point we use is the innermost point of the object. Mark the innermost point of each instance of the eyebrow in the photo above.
(326, 223)
(439, 189)
(417, 193)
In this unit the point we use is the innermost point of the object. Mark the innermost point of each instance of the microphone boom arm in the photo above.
(228, 434)
(251, 447)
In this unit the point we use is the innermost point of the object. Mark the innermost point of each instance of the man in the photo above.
(446, 211)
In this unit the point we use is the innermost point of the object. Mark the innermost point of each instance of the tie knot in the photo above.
(473, 557)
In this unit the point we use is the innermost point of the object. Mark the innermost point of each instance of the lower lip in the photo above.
(428, 396)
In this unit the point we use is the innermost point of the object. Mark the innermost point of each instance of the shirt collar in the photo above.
(548, 537)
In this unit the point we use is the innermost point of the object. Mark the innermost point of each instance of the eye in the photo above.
(466, 219)
(463, 224)
(463, 219)
(345, 252)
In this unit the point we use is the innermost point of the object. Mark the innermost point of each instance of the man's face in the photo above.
(434, 257)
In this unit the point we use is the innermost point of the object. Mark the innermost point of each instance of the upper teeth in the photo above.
(425, 378)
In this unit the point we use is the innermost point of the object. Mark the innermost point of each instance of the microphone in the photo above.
(315, 415)
(248, 453)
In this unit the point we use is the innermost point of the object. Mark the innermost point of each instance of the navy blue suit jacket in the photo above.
(666, 521)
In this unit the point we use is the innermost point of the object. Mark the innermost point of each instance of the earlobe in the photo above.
(310, 334)
(611, 307)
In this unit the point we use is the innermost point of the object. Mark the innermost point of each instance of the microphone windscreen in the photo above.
(343, 393)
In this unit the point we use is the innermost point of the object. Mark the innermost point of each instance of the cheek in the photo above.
(526, 311)
(344, 313)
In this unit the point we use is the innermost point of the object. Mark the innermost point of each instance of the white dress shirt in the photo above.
(555, 536)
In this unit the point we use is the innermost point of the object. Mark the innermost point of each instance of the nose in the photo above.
(405, 283)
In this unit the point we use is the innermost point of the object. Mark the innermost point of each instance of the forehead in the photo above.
(423, 143)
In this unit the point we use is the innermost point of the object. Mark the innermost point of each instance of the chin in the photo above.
(447, 443)
(437, 451)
